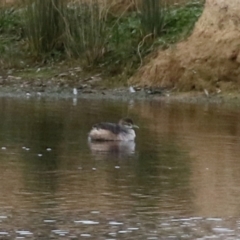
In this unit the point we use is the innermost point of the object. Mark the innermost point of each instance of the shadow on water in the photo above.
(178, 180)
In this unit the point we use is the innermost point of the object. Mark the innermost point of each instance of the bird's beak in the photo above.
(135, 126)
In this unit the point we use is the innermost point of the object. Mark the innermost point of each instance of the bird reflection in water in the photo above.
(116, 149)
(113, 138)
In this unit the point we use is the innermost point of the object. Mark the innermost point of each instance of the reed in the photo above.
(44, 25)
(76, 29)
(86, 33)
(152, 15)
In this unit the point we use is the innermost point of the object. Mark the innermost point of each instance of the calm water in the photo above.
(179, 180)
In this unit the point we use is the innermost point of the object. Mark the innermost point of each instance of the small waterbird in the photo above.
(121, 131)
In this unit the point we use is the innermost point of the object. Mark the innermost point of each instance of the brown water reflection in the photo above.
(179, 180)
(211, 135)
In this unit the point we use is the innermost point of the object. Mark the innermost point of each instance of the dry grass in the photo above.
(208, 59)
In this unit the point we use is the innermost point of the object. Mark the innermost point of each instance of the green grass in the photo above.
(180, 21)
(86, 32)
(130, 40)
(10, 37)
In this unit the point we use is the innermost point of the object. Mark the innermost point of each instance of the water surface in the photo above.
(179, 180)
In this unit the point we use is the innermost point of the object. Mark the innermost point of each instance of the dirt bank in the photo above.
(209, 59)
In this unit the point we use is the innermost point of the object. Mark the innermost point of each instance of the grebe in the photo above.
(121, 131)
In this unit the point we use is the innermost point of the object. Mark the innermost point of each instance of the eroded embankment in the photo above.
(209, 59)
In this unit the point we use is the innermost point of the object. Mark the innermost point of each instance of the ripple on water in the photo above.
(115, 223)
(87, 222)
(95, 212)
(214, 219)
(124, 231)
(24, 232)
(222, 230)
(49, 221)
(60, 232)
(85, 235)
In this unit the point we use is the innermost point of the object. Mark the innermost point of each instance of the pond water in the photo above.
(180, 179)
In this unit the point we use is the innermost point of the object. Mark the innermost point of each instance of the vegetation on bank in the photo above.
(47, 32)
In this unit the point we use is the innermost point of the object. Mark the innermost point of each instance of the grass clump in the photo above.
(44, 25)
(152, 16)
(86, 31)
(10, 36)
(57, 27)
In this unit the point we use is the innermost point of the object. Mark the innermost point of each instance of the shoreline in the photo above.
(121, 94)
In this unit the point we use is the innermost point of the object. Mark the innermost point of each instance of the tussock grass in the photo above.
(152, 15)
(76, 29)
(86, 33)
(44, 25)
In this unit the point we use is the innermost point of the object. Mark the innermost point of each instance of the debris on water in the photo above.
(39, 155)
(115, 223)
(28, 94)
(123, 231)
(87, 222)
(117, 167)
(112, 234)
(4, 233)
(80, 168)
(94, 169)
(60, 232)
(95, 212)
(48, 149)
(206, 92)
(131, 89)
(39, 94)
(218, 90)
(24, 232)
(75, 91)
(222, 230)
(133, 228)
(26, 148)
(85, 235)
(196, 218)
(214, 219)
(49, 221)
(4, 148)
